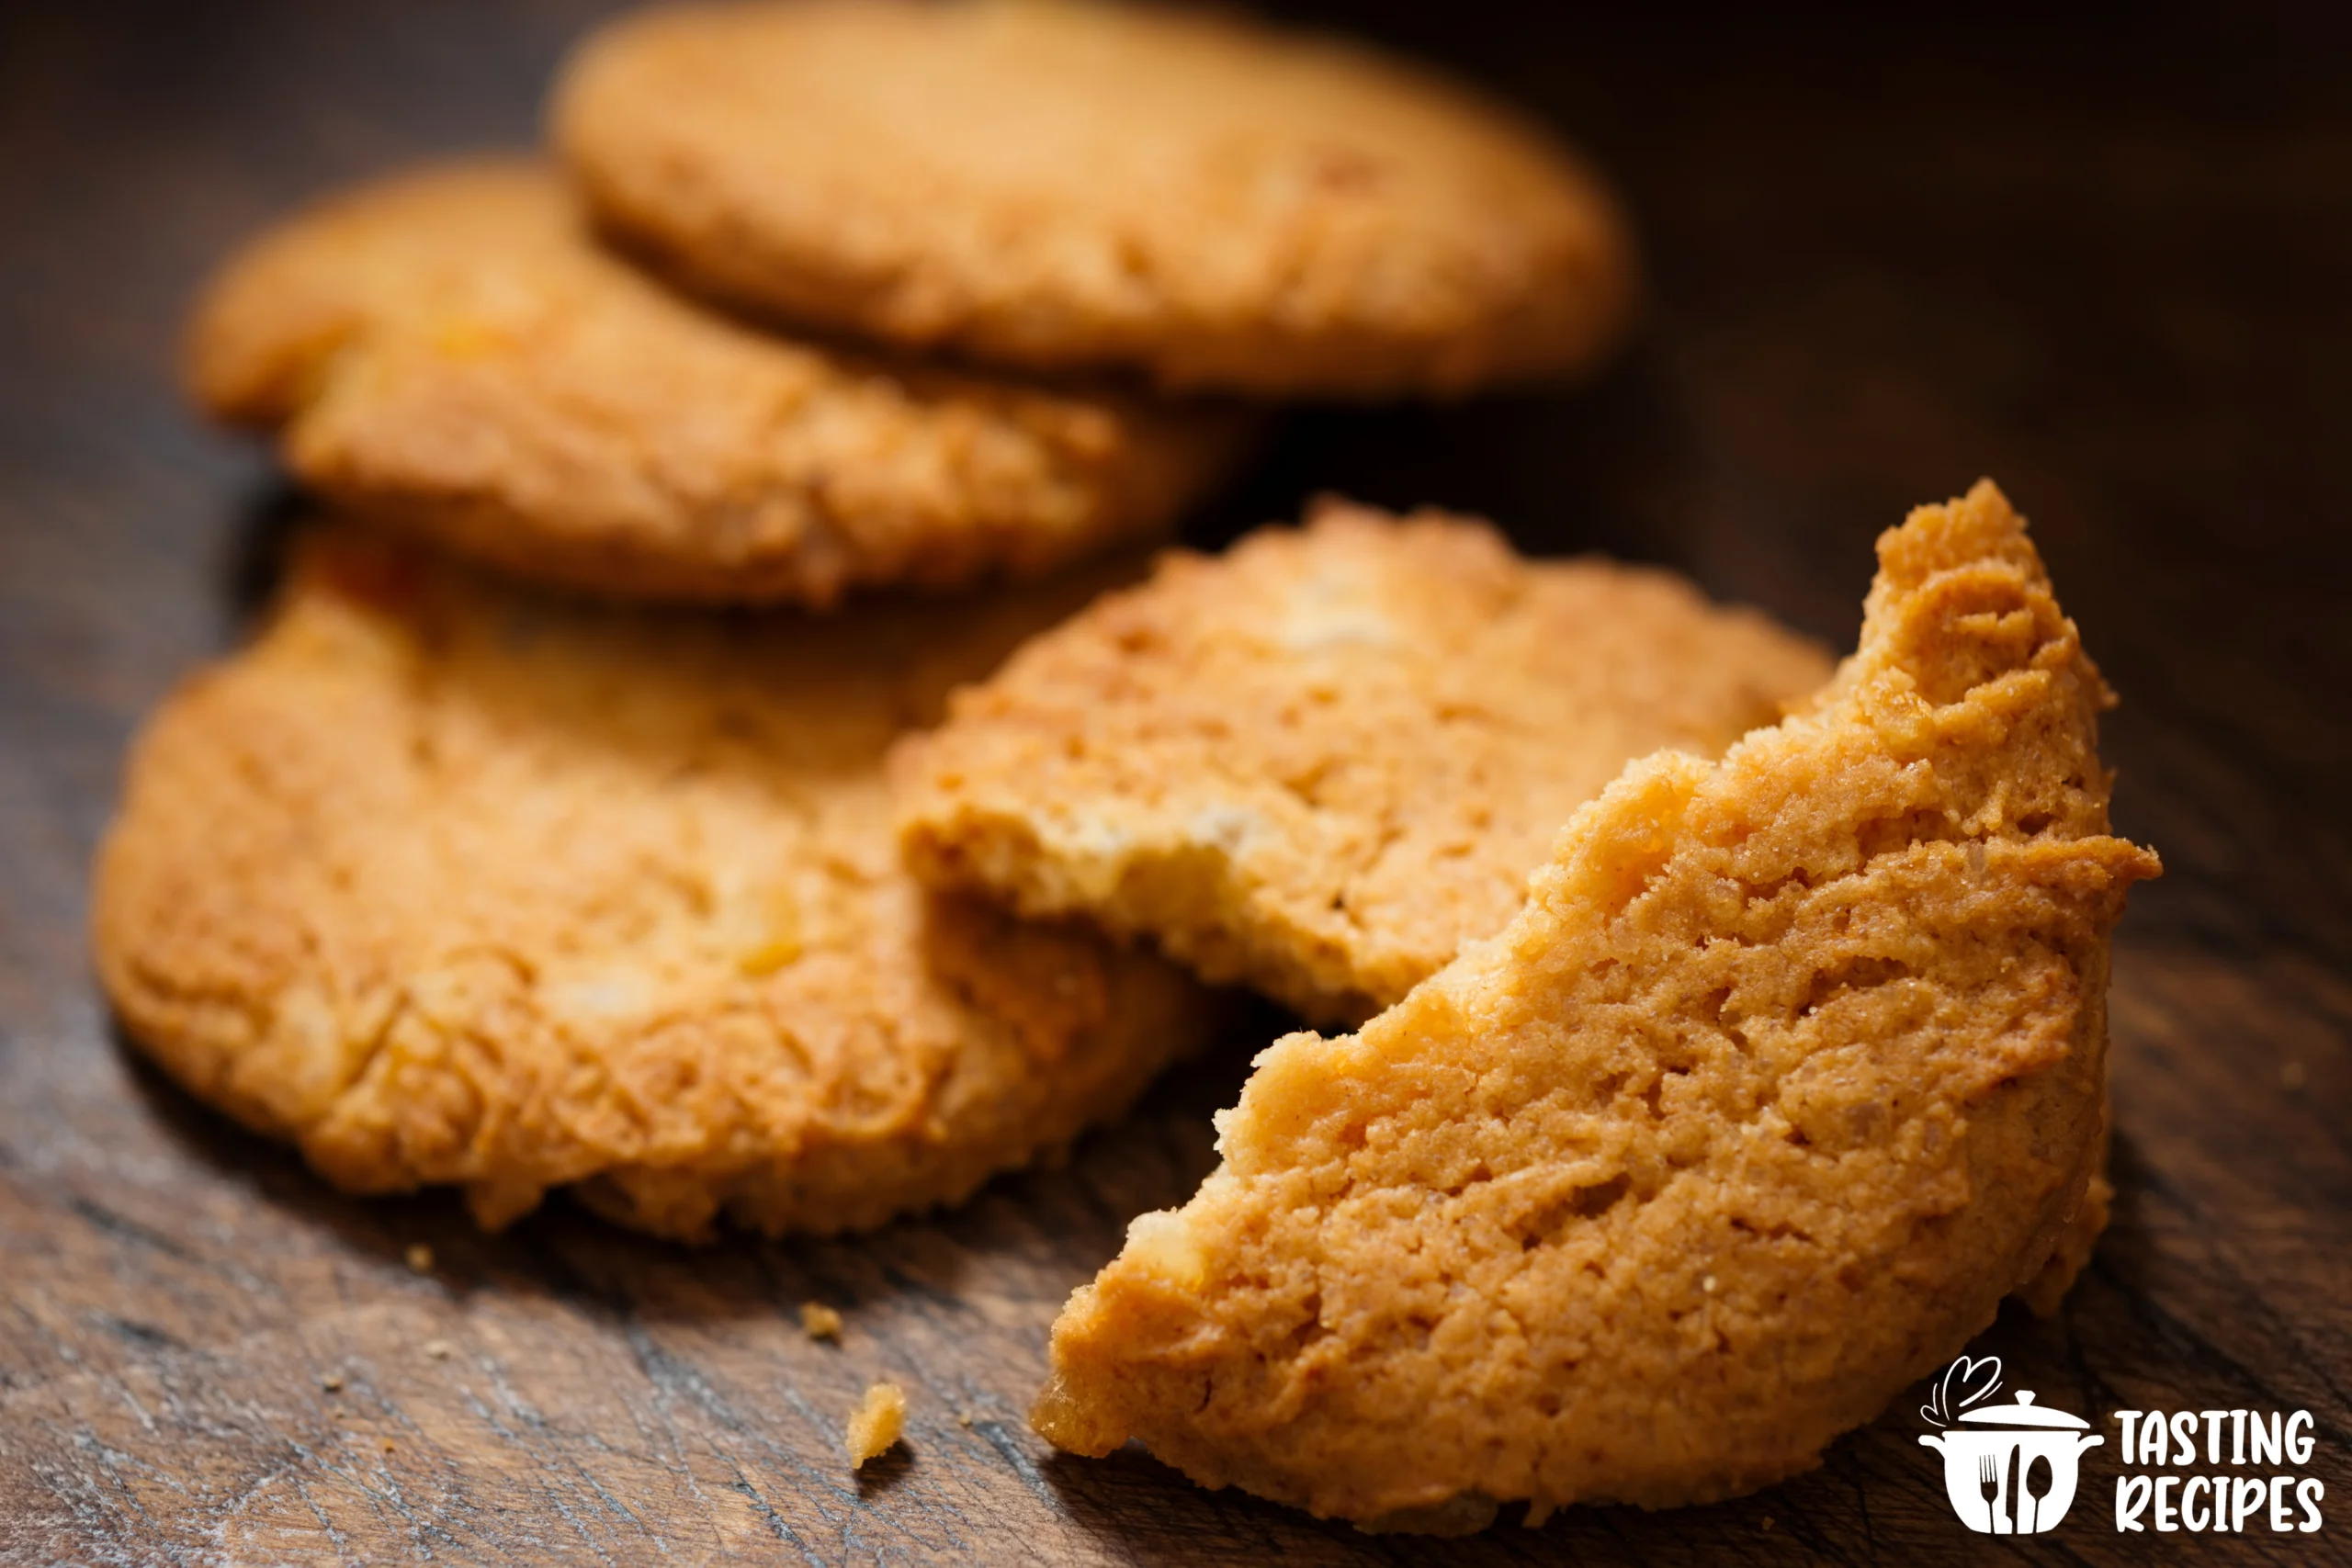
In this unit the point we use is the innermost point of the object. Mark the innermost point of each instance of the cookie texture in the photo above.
(447, 883)
(449, 351)
(1791, 1067)
(1324, 761)
(1056, 184)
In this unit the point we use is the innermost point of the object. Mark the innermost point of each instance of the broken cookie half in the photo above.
(1791, 1067)
(1322, 761)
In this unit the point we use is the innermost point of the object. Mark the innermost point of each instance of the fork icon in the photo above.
(1988, 1482)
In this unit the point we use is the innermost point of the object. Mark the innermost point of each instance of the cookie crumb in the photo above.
(875, 1427)
(437, 1348)
(963, 1419)
(819, 1322)
(420, 1259)
(332, 1382)
(1766, 1524)
(387, 1445)
(2292, 1077)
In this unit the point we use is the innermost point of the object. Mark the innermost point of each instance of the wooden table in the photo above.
(2106, 266)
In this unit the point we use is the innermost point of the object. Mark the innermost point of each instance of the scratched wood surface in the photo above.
(2105, 264)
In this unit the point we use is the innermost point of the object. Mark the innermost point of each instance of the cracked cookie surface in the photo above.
(449, 352)
(1793, 1067)
(1057, 184)
(446, 881)
(1322, 761)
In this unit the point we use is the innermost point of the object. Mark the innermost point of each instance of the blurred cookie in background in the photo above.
(449, 352)
(1063, 185)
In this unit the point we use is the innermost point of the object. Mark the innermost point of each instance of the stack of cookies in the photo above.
(504, 859)
(718, 752)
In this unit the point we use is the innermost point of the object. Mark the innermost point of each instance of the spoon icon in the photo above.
(2040, 1467)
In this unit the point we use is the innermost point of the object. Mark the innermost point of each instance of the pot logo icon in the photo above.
(2008, 1469)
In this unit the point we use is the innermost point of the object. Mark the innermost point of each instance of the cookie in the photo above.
(450, 352)
(1790, 1069)
(1063, 184)
(1324, 761)
(447, 883)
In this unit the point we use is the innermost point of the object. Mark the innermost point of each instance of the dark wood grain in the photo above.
(2106, 262)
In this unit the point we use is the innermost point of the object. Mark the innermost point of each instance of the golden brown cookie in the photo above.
(447, 883)
(1324, 761)
(450, 352)
(1790, 1070)
(1059, 184)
